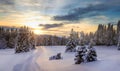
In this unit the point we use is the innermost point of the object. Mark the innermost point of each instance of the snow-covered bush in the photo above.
(71, 46)
(80, 55)
(91, 54)
(85, 54)
(56, 57)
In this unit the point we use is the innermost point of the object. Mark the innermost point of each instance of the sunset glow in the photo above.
(38, 32)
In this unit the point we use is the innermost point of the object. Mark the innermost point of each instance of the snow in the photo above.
(9, 61)
(38, 60)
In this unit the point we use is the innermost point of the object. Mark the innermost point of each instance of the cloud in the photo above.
(48, 26)
(6, 2)
(65, 11)
(89, 11)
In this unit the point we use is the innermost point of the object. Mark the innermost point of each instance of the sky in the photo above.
(58, 17)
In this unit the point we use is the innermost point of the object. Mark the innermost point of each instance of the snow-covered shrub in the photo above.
(71, 46)
(56, 57)
(80, 55)
(91, 54)
(85, 54)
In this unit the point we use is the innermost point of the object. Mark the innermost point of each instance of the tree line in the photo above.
(50, 40)
(104, 35)
(22, 39)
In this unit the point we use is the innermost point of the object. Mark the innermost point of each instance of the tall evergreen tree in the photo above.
(118, 45)
(25, 40)
(71, 45)
(91, 55)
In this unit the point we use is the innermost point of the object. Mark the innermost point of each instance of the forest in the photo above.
(23, 39)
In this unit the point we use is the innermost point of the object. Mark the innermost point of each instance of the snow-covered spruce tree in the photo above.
(91, 54)
(3, 42)
(71, 46)
(82, 39)
(85, 54)
(22, 40)
(118, 35)
(25, 40)
(118, 27)
(72, 43)
(11, 40)
(80, 55)
(118, 45)
(32, 40)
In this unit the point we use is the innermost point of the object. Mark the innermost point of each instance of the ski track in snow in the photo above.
(38, 60)
(28, 65)
(18, 62)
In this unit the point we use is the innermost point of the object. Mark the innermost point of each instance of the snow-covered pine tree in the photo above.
(85, 54)
(91, 54)
(71, 46)
(72, 43)
(118, 27)
(118, 45)
(99, 35)
(22, 40)
(25, 40)
(11, 40)
(109, 34)
(32, 40)
(3, 42)
(118, 35)
(82, 39)
(80, 55)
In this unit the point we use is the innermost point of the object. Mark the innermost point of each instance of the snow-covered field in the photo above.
(38, 60)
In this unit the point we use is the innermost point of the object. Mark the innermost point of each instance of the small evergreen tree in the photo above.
(80, 55)
(32, 40)
(71, 46)
(3, 42)
(118, 45)
(82, 39)
(85, 54)
(91, 55)
(11, 40)
(22, 41)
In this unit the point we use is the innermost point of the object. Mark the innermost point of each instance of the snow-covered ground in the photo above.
(38, 60)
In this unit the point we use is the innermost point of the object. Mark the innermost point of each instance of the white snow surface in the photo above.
(38, 60)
